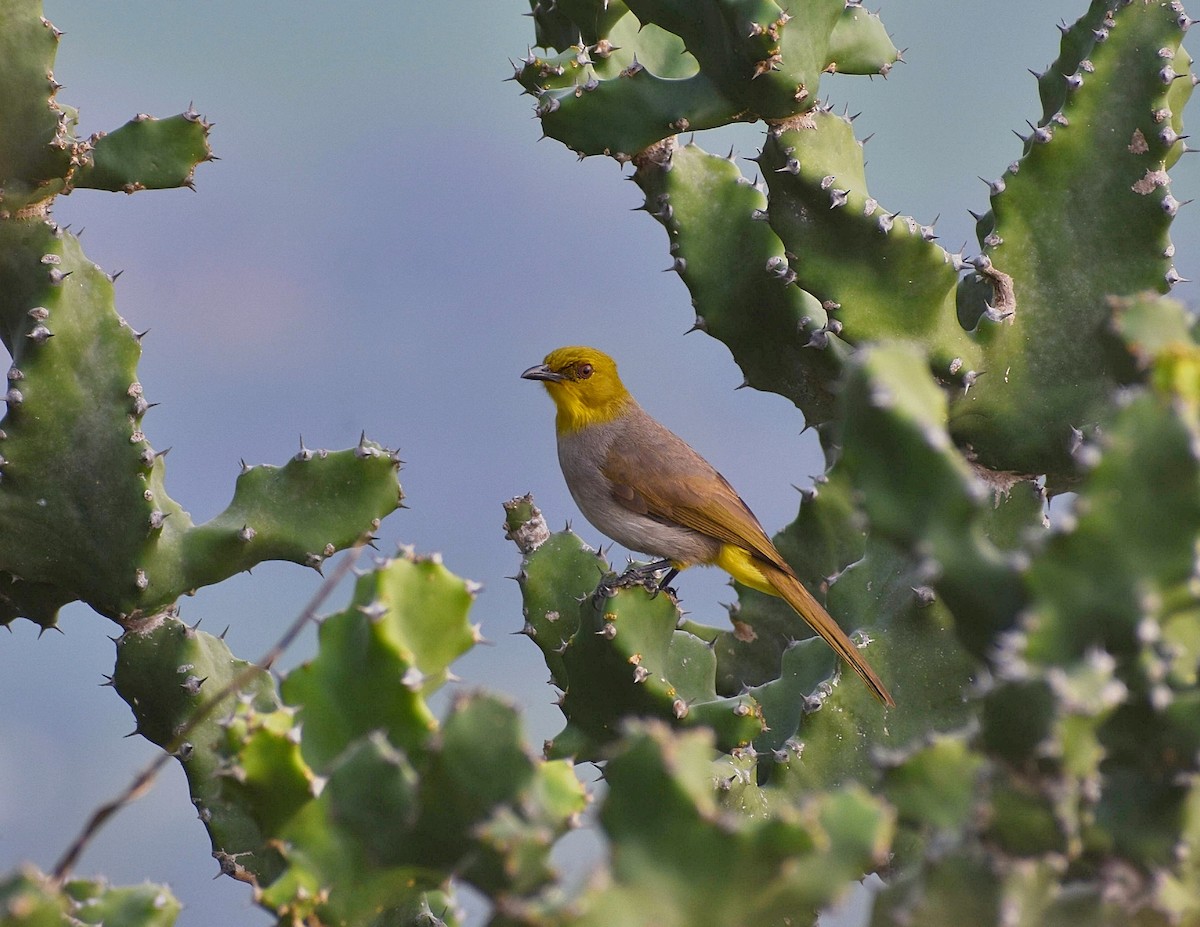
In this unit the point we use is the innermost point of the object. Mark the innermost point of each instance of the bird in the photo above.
(645, 488)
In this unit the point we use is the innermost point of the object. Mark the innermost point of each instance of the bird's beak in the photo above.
(542, 372)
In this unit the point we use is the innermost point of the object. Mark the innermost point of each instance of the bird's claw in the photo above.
(644, 575)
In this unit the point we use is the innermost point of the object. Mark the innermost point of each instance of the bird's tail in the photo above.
(792, 591)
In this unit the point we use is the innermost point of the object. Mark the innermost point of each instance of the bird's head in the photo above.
(584, 385)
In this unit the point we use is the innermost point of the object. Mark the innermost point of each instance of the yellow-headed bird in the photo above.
(645, 488)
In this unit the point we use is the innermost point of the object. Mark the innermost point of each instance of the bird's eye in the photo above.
(583, 371)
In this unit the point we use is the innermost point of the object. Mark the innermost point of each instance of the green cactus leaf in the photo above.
(632, 74)
(739, 278)
(380, 658)
(146, 154)
(165, 671)
(36, 138)
(628, 660)
(138, 906)
(30, 899)
(921, 492)
(82, 498)
(677, 858)
(860, 44)
(935, 786)
(1083, 216)
(564, 572)
(881, 276)
(318, 503)
(561, 24)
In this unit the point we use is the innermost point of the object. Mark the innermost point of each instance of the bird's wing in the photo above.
(654, 472)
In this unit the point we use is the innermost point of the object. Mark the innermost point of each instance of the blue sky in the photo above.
(385, 245)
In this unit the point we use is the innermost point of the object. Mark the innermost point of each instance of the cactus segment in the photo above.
(146, 154)
(934, 786)
(881, 276)
(30, 899)
(711, 865)
(566, 571)
(766, 59)
(72, 424)
(40, 155)
(381, 657)
(628, 660)
(316, 504)
(82, 490)
(632, 74)
(919, 491)
(165, 671)
(391, 825)
(626, 90)
(35, 158)
(1083, 216)
(741, 286)
(84, 511)
(860, 44)
(561, 23)
(620, 655)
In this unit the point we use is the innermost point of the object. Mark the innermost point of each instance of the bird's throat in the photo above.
(575, 411)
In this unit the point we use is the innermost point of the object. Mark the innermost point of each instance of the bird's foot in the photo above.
(645, 575)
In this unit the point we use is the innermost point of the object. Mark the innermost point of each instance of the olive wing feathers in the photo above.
(653, 472)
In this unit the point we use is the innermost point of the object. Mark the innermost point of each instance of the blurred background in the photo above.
(385, 245)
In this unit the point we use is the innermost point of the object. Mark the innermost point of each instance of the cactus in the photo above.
(633, 73)
(165, 671)
(30, 899)
(82, 497)
(1042, 759)
(1082, 768)
(1041, 765)
(321, 794)
(713, 863)
(1022, 352)
(403, 793)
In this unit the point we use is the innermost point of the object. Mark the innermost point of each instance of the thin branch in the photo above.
(145, 779)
